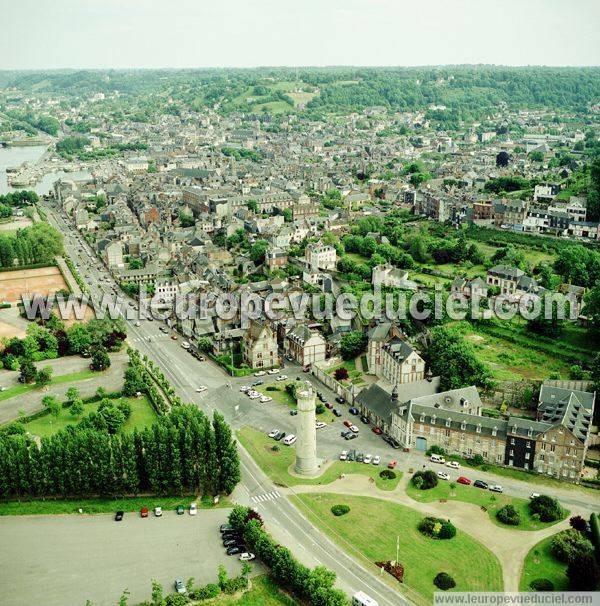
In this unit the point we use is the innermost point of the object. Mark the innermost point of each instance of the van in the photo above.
(289, 440)
(434, 458)
(360, 598)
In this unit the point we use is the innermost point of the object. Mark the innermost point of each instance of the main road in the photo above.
(184, 372)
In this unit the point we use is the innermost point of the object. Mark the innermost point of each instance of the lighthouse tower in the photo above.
(306, 445)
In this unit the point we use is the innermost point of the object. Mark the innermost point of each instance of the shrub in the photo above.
(542, 585)
(271, 388)
(578, 523)
(508, 515)
(275, 448)
(387, 474)
(437, 528)
(569, 544)
(549, 509)
(320, 408)
(340, 510)
(444, 581)
(435, 449)
(595, 533)
(396, 570)
(583, 573)
(477, 460)
(428, 479)
(206, 593)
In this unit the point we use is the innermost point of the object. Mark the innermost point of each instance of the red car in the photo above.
(144, 512)
(347, 423)
(392, 464)
(377, 430)
(463, 480)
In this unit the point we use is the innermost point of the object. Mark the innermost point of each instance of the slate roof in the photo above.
(398, 349)
(568, 407)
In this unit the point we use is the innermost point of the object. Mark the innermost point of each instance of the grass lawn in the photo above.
(276, 464)
(369, 533)
(97, 505)
(483, 498)
(142, 415)
(281, 396)
(57, 380)
(264, 592)
(541, 564)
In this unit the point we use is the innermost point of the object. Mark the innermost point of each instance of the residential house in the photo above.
(306, 346)
(260, 345)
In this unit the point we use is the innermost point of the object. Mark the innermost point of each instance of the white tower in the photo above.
(306, 445)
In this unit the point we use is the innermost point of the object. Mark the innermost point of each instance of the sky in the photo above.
(43, 34)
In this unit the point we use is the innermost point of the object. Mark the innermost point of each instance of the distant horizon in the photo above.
(152, 34)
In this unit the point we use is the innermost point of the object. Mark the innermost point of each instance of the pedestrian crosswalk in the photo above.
(268, 496)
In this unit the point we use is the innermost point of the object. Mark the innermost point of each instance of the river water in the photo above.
(15, 156)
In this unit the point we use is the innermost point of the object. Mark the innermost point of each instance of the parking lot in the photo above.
(70, 559)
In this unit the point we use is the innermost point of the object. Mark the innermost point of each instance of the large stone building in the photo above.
(305, 346)
(260, 346)
(321, 256)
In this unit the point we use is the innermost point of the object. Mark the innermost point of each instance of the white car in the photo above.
(453, 464)
(496, 488)
(254, 396)
(534, 495)
(368, 459)
(246, 557)
(442, 475)
(260, 373)
(321, 424)
(264, 399)
(344, 455)
(353, 428)
(244, 388)
(158, 512)
(252, 392)
(193, 509)
(201, 388)
(185, 345)
(289, 440)
(273, 371)
(273, 433)
(376, 460)
(281, 378)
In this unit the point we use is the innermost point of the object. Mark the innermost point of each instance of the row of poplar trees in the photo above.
(183, 452)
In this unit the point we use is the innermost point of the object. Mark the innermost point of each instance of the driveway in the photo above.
(66, 560)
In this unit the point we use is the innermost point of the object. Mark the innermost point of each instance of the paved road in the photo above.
(286, 522)
(66, 560)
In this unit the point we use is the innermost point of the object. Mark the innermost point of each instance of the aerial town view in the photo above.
(299, 303)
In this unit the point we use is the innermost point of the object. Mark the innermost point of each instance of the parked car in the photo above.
(353, 428)
(496, 488)
(392, 464)
(231, 534)
(193, 509)
(185, 345)
(453, 464)
(264, 399)
(442, 475)
(246, 556)
(321, 396)
(344, 455)
(180, 510)
(293, 412)
(201, 389)
(289, 440)
(377, 430)
(350, 435)
(179, 586)
(119, 516)
(144, 512)
(347, 423)
(368, 459)
(386, 438)
(534, 495)
(328, 405)
(336, 412)
(435, 458)
(254, 396)
(344, 432)
(158, 512)
(281, 378)
(353, 411)
(463, 480)
(273, 433)
(480, 484)
(306, 368)
(360, 457)
(394, 443)
(364, 420)
(352, 455)
(256, 383)
(340, 400)
(320, 424)
(227, 542)
(273, 371)
(225, 527)
(234, 550)
(260, 373)
(376, 460)
(279, 436)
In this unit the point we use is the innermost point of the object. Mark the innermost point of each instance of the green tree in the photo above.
(100, 360)
(77, 408)
(27, 370)
(43, 377)
(52, 405)
(205, 344)
(258, 250)
(226, 455)
(72, 394)
(352, 344)
(592, 306)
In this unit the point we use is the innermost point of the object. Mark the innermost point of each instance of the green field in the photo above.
(97, 505)
(491, 501)
(264, 592)
(370, 531)
(540, 564)
(56, 380)
(142, 415)
(276, 463)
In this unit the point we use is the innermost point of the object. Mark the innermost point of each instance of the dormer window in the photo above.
(463, 425)
(448, 422)
(494, 431)
(530, 432)
(514, 429)
(422, 419)
(478, 428)
(433, 420)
